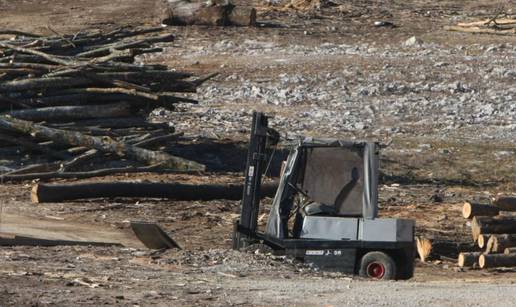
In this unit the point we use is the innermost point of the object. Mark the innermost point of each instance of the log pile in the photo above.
(495, 234)
(70, 100)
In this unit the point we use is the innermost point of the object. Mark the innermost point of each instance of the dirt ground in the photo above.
(437, 158)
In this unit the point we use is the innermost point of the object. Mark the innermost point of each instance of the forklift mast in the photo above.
(261, 137)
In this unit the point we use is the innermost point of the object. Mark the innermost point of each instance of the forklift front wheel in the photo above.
(377, 265)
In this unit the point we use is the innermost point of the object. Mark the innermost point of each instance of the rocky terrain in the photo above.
(442, 101)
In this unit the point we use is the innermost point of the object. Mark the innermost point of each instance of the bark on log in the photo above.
(183, 13)
(510, 251)
(496, 260)
(42, 193)
(498, 243)
(506, 203)
(74, 112)
(470, 210)
(104, 144)
(468, 259)
(492, 225)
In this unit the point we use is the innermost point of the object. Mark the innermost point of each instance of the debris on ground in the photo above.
(497, 26)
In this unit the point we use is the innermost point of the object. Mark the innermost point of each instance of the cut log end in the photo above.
(424, 248)
(482, 240)
(34, 194)
(466, 210)
(482, 261)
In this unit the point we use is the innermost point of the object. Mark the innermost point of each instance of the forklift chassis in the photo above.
(350, 239)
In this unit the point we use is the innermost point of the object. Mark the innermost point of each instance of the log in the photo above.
(470, 210)
(492, 225)
(31, 145)
(106, 49)
(184, 13)
(122, 122)
(505, 203)
(80, 175)
(498, 243)
(42, 193)
(63, 113)
(478, 30)
(486, 22)
(43, 55)
(437, 249)
(510, 251)
(104, 144)
(468, 259)
(496, 260)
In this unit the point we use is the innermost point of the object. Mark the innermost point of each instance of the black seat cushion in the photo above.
(319, 209)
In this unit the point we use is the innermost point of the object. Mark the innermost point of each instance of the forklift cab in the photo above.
(325, 209)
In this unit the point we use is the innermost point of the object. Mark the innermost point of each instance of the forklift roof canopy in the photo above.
(339, 174)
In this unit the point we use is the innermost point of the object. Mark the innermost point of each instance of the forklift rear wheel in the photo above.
(377, 265)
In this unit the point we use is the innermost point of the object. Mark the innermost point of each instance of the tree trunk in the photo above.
(65, 192)
(496, 260)
(184, 13)
(505, 203)
(498, 243)
(74, 112)
(468, 259)
(497, 225)
(104, 144)
(470, 210)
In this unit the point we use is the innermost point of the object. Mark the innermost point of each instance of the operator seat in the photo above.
(337, 208)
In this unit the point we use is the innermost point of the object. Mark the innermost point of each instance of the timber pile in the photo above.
(69, 100)
(494, 234)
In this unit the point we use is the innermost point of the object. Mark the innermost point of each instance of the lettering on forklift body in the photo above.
(326, 252)
(314, 253)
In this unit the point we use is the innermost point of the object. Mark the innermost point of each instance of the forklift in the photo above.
(325, 209)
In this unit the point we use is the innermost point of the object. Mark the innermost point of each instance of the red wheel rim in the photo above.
(375, 270)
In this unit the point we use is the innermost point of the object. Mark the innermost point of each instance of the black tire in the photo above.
(377, 265)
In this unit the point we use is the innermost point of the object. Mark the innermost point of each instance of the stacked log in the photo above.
(470, 210)
(494, 234)
(63, 96)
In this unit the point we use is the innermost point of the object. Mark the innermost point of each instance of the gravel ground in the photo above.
(443, 101)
